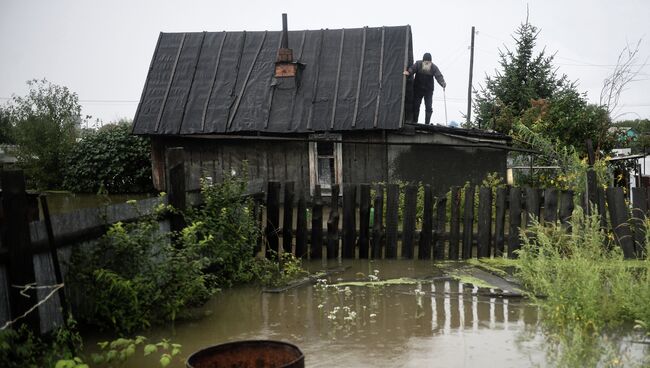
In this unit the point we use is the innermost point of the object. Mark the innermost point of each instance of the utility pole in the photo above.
(469, 88)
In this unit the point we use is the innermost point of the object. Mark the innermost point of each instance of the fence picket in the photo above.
(349, 219)
(364, 220)
(316, 247)
(454, 223)
(408, 225)
(532, 205)
(514, 242)
(377, 222)
(424, 246)
(301, 226)
(484, 222)
(468, 222)
(639, 211)
(287, 220)
(618, 212)
(566, 208)
(500, 221)
(333, 224)
(392, 212)
(441, 223)
(550, 205)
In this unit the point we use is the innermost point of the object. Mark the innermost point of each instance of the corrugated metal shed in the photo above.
(223, 82)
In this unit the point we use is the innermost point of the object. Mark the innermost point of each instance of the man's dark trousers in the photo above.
(428, 96)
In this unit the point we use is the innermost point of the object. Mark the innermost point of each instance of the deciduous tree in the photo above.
(45, 124)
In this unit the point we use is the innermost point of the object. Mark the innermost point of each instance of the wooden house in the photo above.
(314, 107)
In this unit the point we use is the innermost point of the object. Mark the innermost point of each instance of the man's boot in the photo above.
(427, 118)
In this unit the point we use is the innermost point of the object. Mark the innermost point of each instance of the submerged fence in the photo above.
(389, 221)
(364, 221)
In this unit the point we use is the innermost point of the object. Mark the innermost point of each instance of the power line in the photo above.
(92, 101)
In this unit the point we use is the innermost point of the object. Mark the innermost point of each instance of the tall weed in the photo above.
(585, 288)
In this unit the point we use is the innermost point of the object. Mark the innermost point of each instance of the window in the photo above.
(325, 162)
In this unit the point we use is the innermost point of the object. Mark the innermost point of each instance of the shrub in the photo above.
(110, 158)
(224, 231)
(134, 277)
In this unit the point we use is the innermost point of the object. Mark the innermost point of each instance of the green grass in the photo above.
(590, 291)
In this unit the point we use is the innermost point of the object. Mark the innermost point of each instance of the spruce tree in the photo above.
(524, 77)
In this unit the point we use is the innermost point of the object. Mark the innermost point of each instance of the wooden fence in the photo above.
(386, 221)
(364, 221)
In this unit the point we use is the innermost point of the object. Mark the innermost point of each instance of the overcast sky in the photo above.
(102, 49)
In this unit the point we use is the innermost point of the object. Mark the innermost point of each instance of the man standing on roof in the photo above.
(424, 71)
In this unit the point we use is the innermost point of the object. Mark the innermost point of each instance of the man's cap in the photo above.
(426, 57)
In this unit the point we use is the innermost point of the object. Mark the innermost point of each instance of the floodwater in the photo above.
(62, 202)
(437, 322)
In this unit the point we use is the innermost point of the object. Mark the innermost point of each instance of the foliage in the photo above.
(279, 270)
(45, 124)
(135, 277)
(6, 133)
(20, 348)
(223, 230)
(122, 349)
(524, 76)
(528, 91)
(587, 288)
(572, 171)
(110, 158)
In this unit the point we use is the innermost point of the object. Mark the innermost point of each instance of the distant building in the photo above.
(624, 134)
(6, 156)
(328, 106)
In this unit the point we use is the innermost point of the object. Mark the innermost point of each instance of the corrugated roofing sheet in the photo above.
(222, 82)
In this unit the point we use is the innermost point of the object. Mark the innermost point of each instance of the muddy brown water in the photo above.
(63, 202)
(438, 323)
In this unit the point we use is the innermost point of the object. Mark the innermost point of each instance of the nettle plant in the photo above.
(224, 230)
(134, 277)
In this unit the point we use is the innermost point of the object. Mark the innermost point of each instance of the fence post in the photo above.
(316, 248)
(20, 269)
(349, 219)
(287, 218)
(176, 186)
(364, 219)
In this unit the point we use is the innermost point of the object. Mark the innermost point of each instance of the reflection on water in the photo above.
(441, 323)
(62, 202)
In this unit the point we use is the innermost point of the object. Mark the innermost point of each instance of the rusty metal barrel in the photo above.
(245, 354)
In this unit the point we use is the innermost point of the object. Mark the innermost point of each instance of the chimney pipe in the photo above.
(285, 32)
(284, 64)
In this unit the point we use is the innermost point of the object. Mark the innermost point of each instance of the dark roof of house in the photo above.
(223, 82)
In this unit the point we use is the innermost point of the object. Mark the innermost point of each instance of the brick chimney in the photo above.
(285, 66)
